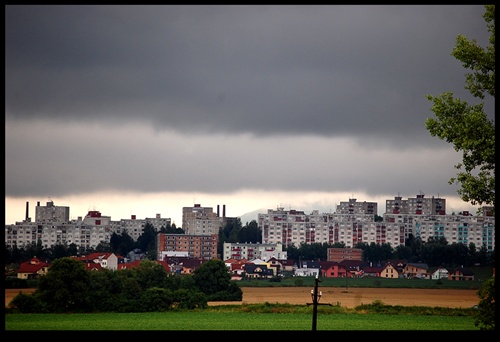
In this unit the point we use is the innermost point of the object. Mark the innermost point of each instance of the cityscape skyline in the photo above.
(352, 222)
(177, 218)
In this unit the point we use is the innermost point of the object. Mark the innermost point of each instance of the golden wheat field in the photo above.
(451, 298)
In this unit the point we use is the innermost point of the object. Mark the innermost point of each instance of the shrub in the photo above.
(156, 299)
(298, 282)
(24, 303)
(189, 299)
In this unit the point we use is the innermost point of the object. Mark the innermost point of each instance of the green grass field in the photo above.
(249, 318)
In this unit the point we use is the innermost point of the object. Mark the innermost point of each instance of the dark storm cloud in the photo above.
(359, 71)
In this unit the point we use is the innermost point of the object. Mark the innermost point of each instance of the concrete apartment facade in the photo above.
(198, 220)
(250, 251)
(52, 226)
(193, 246)
(340, 254)
(420, 217)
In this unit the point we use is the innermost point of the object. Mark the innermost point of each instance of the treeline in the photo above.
(68, 287)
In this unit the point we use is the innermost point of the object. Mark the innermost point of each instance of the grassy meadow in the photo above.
(253, 317)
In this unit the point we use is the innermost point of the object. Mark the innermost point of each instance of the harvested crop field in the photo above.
(450, 298)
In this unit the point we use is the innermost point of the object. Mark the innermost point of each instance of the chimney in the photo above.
(218, 210)
(224, 210)
(27, 210)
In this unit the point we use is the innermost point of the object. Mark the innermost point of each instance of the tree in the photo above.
(147, 241)
(150, 274)
(485, 318)
(466, 126)
(250, 233)
(121, 243)
(65, 287)
(214, 280)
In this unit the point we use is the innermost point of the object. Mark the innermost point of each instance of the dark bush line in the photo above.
(69, 287)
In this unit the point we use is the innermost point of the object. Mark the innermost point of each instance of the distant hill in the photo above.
(253, 215)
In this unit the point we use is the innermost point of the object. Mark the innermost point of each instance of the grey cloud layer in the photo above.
(328, 70)
(224, 98)
(65, 160)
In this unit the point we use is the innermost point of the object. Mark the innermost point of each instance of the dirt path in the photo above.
(350, 299)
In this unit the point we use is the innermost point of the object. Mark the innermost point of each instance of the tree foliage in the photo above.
(65, 286)
(214, 280)
(467, 126)
(69, 287)
(485, 318)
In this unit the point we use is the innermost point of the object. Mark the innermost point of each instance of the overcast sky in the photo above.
(144, 110)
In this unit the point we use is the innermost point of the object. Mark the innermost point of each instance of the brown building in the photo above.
(194, 246)
(340, 254)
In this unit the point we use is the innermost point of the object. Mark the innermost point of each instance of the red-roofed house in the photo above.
(92, 266)
(32, 269)
(135, 264)
(106, 260)
(460, 273)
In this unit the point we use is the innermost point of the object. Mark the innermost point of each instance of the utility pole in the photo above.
(315, 303)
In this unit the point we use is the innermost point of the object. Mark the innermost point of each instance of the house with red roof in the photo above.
(460, 273)
(415, 270)
(135, 264)
(331, 269)
(32, 269)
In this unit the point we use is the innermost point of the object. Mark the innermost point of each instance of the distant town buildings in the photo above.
(341, 254)
(420, 217)
(250, 251)
(50, 213)
(52, 226)
(189, 245)
(201, 220)
(352, 222)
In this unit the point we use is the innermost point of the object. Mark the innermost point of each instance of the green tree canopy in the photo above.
(65, 286)
(212, 276)
(485, 318)
(466, 126)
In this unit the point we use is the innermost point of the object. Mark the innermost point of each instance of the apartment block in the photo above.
(340, 254)
(353, 207)
(249, 251)
(195, 246)
(418, 205)
(50, 213)
(198, 220)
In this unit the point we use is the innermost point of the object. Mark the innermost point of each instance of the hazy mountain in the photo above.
(250, 216)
